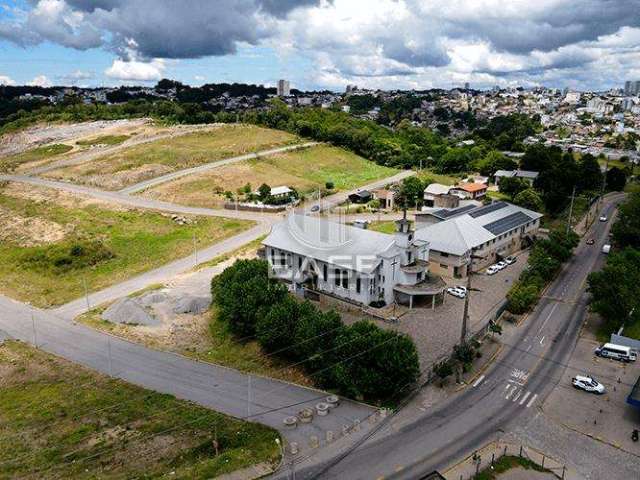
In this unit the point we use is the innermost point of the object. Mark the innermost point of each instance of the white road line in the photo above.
(511, 392)
(542, 341)
(515, 399)
(524, 399)
(478, 381)
(548, 317)
(533, 399)
(507, 387)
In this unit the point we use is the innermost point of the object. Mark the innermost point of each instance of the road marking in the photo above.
(507, 386)
(529, 347)
(511, 392)
(548, 317)
(478, 381)
(517, 396)
(524, 399)
(533, 399)
(542, 341)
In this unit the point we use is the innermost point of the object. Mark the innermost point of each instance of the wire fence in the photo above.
(489, 457)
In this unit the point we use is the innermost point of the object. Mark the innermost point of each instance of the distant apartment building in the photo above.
(632, 88)
(284, 89)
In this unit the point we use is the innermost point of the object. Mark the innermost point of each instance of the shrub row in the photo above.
(361, 360)
(545, 260)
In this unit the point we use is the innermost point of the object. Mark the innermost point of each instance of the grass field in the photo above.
(141, 162)
(507, 463)
(51, 245)
(433, 177)
(103, 140)
(620, 165)
(383, 226)
(62, 421)
(10, 163)
(306, 170)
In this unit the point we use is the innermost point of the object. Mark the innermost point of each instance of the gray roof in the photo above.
(516, 173)
(331, 242)
(461, 233)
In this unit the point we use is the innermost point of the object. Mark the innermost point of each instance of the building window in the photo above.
(324, 272)
(358, 285)
(409, 257)
(299, 262)
(283, 260)
(444, 254)
(345, 279)
(446, 267)
(336, 272)
(420, 276)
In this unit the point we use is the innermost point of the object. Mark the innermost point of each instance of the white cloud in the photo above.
(40, 81)
(199, 78)
(135, 70)
(4, 80)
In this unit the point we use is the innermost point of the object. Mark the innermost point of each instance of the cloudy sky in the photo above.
(582, 44)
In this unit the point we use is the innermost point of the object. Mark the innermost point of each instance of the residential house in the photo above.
(471, 191)
(386, 198)
(361, 196)
(527, 175)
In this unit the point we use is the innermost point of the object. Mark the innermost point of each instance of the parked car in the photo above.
(590, 241)
(603, 218)
(588, 384)
(616, 352)
(502, 265)
(456, 292)
(462, 288)
(493, 269)
(606, 248)
(510, 260)
(315, 208)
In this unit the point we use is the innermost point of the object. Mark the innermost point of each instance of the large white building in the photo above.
(362, 266)
(283, 88)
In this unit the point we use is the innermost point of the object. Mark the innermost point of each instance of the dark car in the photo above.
(590, 241)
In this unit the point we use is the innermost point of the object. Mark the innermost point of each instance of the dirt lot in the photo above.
(60, 421)
(604, 417)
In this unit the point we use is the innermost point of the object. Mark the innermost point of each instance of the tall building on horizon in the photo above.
(632, 88)
(283, 88)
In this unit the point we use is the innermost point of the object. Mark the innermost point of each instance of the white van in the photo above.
(616, 352)
(606, 248)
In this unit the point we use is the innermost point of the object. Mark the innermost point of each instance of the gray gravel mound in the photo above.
(151, 298)
(191, 304)
(128, 312)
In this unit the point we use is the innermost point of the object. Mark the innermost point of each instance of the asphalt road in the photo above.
(139, 187)
(506, 396)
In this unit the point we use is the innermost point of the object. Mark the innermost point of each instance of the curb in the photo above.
(481, 370)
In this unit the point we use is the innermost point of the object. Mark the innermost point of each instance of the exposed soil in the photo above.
(30, 231)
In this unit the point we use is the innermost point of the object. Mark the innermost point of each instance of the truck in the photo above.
(606, 248)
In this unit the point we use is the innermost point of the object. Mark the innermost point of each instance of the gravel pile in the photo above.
(191, 304)
(151, 298)
(129, 312)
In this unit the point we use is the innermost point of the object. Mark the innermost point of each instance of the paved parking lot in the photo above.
(604, 417)
(435, 332)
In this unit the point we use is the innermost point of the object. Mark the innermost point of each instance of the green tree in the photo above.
(241, 293)
(493, 162)
(616, 179)
(512, 186)
(329, 185)
(615, 290)
(590, 176)
(626, 230)
(274, 327)
(264, 191)
(529, 198)
(521, 297)
(443, 370)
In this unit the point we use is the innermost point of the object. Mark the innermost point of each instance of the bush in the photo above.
(242, 291)
(521, 297)
(64, 258)
(443, 369)
(274, 327)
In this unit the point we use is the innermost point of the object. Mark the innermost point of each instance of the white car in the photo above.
(456, 292)
(603, 218)
(510, 260)
(588, 384)
(461, 288)
(493, 269)
(502, 265)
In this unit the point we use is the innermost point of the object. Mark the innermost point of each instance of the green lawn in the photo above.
(620, 165)
(495, 195)
(580, 207)
(505, 464)
(103, 140)
(100, 246)
(140, 162)
(383, 226)
(433, 177)
(305, 170)
(10, 163)
(61, 421)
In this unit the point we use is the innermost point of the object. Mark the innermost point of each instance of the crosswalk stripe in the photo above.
(524, 399)
(478, 381)
(517, 396)
(533, 399)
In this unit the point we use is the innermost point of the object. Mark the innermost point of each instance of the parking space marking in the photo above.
(517, 396)
(478, 381)
(533, 399)
(524, 399)
(511, 392)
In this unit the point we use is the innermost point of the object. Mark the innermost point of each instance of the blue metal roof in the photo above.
(634, 396)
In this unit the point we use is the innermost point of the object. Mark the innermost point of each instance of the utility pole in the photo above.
(465, 314)
(33, 324)
(195, 248)
(86, 293)
(573, 196)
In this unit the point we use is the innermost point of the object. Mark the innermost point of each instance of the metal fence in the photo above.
(487, 457)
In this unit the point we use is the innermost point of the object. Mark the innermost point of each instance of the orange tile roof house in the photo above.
(472, 190)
